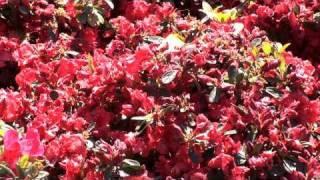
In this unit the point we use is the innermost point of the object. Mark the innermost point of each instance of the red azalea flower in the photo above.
(14, 147)
(137, 9)
(12, 150)
(223, 161)
(11, 107)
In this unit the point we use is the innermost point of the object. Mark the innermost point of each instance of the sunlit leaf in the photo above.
(274, 92)
(289, 165)
(266, 48)
(147, 118)
(90, 63)
(24, 162)
(95, 18)
(42, 175)
(280, 49)
(169, 76)
(231, 132)
(207, 9)
(110, 3)
(130, 165)
(255, 51)
(214, 95)
(242, 156)
(217, 15)
(174, 41)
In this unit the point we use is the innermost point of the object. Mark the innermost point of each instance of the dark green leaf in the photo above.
(242, 156)
(256, 42)
(130, 165)
(195, 158)
(110, 3)
(24, 10)
(214, 95)
(153, 39)
(277, 171)
(83, 18)
(252, 133)
(95, 18)
(274, 92)
(54, 95)
(296, 9)
(235, 75)
(169, 76)
(289, 165)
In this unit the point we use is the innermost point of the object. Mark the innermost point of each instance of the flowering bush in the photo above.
(143, 90)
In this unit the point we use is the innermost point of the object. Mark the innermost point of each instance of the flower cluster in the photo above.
(143, 90)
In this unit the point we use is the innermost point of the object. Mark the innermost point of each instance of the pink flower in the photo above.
(14, 147)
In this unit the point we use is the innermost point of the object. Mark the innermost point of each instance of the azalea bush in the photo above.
(195, 90)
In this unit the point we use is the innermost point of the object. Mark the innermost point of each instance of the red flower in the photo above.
(11, 106)
(307, 111)
(31, 144)
(14, 147)
(137, 9)
(142, 54)
(223, 161)
(240, 173)
(11, 147)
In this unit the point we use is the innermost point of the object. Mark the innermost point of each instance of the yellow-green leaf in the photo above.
(24, 162)
(217, 15)
(280, 49)
(175, 40)
(255, 51)
(266, 48)
(207, 9)
(2, 132)
(90, 62)
(282, 66)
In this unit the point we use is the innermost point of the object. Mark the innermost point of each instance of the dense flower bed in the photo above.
(158, 90)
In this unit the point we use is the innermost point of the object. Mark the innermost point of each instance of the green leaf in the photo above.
(42, 175)
(217, 15)
(110, 3)
(266, 48)
(256, 42)
(174, 40)
(289, 165)
(153, 39)
(24, 162)
(235, 75)
(274, 92)
(242, 156)
(95, 18)
(24, 10)
(195, 158)
(146, 118)
(169, 76)
(130, 165)
(214, 95)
